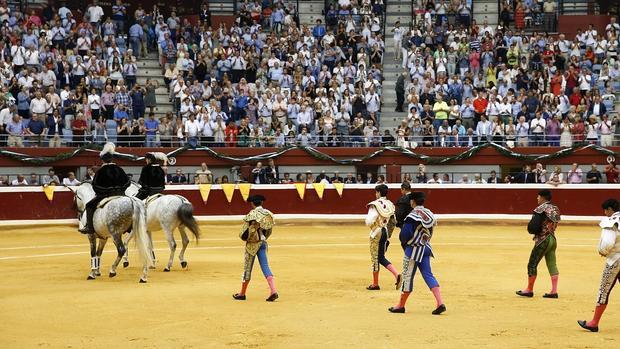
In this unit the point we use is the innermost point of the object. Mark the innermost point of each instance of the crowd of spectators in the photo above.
(462, 85)
(51, 178)
(269, 173)
(69, 76)
(528, 175)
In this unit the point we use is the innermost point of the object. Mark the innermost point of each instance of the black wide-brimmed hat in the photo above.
(417, 195)
(256, 199)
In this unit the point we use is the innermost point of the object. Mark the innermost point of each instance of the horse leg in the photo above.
(102, 243)
(152, 248)
(173, 247)
(185, 241)
(94, 259)
(126, 244)
(120, 248)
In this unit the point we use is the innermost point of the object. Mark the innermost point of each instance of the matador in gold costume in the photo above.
(257, 228)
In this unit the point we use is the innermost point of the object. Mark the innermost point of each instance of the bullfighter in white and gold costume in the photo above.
(381, 221)
(609, 247)
(257, 228)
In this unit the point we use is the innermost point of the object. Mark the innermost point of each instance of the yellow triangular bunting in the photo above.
(204, 191)
(319, 188)
(49, 191)
(244, 189)
(339, 188)
(301, 189)
(229, 190)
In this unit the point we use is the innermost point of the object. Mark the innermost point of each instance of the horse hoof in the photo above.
(167, 270)
(142, 281)
(112, 274)
(125, 264)
(90, 277)
(184, 264)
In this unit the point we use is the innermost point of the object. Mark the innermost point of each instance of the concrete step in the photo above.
(148, 63)
(306, 6)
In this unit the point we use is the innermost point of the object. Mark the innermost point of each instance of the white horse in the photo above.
(167, 212)
(118, 216)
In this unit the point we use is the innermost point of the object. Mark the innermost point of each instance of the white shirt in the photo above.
(538, 122)
(192, 128)
(18, 52)
(70, 182)
(16, 182)
(38, 106)
(32, 57)
(48, 79)
(372, 102)
(95, 13)
(398, 34)
(94, 101)
(5, 116)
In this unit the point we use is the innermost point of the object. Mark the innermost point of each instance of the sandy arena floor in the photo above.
(321, 273)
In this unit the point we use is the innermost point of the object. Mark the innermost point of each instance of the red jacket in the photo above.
(480, 105)
(231, 136)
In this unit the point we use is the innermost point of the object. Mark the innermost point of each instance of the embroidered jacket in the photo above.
(544, 221)
(418, 231)
(256, 229)
(381, 215)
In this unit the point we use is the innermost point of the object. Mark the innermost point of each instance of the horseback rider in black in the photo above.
(152, 178)
(110, 180)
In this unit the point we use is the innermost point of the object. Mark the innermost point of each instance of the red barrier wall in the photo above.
(298, 157)
(27, 203)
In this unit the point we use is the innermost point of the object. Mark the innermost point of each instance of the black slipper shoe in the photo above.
(373, 288)
(525, 294)
(584, 324)
(273, 297)
(396, 310)
(440, 309)
(550, 295)
(239, 297)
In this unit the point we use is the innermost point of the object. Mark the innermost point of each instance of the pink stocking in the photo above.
(392, 270)
(437, 293)
(272, 286)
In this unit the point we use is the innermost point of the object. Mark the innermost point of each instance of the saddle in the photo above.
(104, 201)
(152, 198)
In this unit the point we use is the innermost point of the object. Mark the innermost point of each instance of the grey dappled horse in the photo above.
(119, 215)
(167, 212)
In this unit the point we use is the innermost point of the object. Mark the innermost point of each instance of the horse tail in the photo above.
(186, 216)
(140, 232)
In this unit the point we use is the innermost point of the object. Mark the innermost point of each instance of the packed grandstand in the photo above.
(149, 78)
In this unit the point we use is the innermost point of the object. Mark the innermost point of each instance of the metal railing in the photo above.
(338, 140)
(577, 7)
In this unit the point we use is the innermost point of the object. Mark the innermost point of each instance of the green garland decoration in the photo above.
(317, 154)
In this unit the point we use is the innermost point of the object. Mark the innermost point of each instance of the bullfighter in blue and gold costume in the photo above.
(415, 237)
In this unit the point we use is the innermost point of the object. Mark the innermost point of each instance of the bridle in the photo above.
(76, 196)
